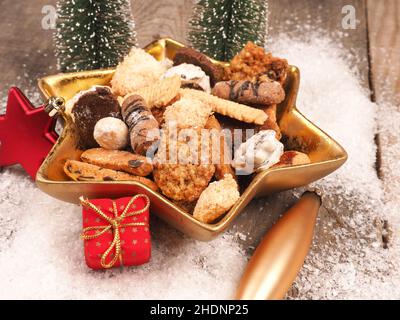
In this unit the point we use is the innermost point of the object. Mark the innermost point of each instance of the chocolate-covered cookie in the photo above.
(143, 127)
(88, 107)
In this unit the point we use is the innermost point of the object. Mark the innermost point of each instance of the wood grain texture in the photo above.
(155, 19)
(303, 18)
(384, 38)
(26, 49)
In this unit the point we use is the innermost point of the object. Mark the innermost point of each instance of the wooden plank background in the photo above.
(26, 53)
(384, 43)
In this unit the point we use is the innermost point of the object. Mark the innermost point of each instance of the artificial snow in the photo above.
(41, 255)
(348, 258)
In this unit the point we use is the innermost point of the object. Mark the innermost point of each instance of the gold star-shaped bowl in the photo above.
(299, 134)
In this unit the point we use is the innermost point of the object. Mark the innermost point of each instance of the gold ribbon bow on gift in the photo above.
(114, 224)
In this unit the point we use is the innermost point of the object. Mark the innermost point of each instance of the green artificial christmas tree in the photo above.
(221, 28)
(93, 34)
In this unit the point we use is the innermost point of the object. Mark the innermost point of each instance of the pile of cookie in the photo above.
(149, 126)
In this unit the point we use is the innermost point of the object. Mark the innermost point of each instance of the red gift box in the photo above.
(116, 232)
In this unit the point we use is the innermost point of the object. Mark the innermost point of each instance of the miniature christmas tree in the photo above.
(220, 28)
(93, 34)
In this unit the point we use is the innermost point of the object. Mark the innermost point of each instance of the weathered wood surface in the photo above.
(26, 50)
(156, 19)
(384, 40)
(299, 17)
(384, 37)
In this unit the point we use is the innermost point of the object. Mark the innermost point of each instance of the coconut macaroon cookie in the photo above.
(138, 70)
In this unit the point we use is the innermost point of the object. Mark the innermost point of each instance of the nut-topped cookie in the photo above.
(253, 62)
(183, 182)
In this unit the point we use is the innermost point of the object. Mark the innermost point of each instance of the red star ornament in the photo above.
(26, 133)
